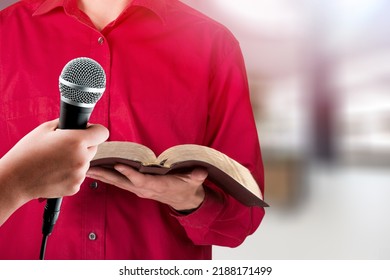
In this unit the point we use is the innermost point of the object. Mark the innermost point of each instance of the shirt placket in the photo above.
(94, 210)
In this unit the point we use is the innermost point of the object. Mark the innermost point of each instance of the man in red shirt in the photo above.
(174, 76)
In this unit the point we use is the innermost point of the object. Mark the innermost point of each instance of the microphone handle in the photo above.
(71, 117)
(74, 117)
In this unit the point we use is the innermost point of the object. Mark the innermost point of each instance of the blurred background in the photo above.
(319, 74)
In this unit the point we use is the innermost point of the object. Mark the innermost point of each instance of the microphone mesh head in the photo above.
(82, 81)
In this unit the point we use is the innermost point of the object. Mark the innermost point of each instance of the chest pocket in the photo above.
(19, 117)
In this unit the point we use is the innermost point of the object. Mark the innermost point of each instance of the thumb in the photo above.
(48, 126)
(199, 174)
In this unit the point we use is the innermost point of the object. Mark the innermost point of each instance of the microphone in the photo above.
(82, 82)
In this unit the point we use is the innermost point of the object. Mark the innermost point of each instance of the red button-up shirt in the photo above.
(173, 76)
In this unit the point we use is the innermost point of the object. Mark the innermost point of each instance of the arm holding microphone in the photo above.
(48, 162)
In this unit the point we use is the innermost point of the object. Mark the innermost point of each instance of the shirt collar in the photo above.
(45, 6)
(41, 7)
(159, 7)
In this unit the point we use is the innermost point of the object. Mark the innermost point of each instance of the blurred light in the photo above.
(255, 13)
(357, 6)
(349, 16)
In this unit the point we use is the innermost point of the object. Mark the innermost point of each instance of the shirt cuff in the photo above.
(198, 222)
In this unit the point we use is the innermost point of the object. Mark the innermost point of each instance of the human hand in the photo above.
(180, 191)
(49, 162)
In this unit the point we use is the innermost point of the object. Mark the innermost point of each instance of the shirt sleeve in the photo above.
(221, 219)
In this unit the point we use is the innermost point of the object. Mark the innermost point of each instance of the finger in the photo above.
(199, 174)
(96, 134)
(93, 135)
(129, 172)
(91, 152)
(108, 176)
(51, 125)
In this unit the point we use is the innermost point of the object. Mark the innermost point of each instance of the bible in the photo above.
(226, 173)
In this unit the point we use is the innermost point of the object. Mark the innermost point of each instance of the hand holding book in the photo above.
(226, 173)
(181, 191)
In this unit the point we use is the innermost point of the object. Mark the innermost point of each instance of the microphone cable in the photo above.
(43, 247)
(50, 216)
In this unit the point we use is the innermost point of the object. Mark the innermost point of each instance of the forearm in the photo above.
(10, 198)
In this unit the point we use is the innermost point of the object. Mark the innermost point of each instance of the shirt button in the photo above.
(101, 40)
(94, 185)
(92, 236)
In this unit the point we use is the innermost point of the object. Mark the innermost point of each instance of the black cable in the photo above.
(43, 247)
(50, 216)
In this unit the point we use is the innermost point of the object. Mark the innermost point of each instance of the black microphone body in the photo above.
(82, 83)
(73, 117)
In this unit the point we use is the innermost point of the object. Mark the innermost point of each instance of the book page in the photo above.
(127, 150)
(191, 152)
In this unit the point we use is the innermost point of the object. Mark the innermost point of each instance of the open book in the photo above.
(226, 173)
